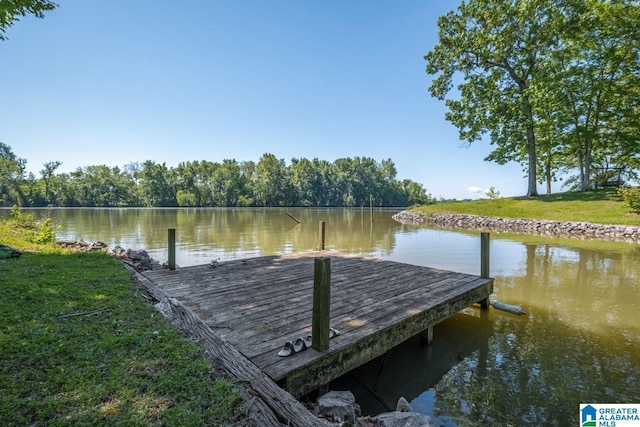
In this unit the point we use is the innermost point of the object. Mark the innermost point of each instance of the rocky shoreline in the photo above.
(339, 408)
(139, 260)
(581, 230)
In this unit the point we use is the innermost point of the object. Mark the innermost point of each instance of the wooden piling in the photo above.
(484, 263)
(321, 236)
(321, 303)
(172, 248)
(371, 208)
(292, 217)
(484, 255)
(427, 336)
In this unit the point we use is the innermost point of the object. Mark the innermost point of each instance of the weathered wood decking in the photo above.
(258, 304)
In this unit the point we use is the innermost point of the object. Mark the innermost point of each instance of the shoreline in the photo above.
(579, 230)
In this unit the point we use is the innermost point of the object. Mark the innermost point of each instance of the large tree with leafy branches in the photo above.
(495, 48)
(12, 175)
(595, 87)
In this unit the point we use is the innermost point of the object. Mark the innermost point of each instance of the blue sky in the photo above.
(114, 81)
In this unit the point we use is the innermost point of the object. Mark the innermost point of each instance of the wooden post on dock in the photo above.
(172, 249)
(321, 303)
(484, 263)
(321, 236)
(484, 255)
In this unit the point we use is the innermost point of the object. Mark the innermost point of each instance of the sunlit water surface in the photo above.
(578, 343)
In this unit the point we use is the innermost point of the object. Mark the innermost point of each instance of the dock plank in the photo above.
(348, 313)
(260, 303)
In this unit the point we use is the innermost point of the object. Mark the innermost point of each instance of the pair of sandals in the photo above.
(300, 344)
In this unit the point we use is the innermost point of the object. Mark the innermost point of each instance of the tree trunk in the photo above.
(532, 189)
(548, 171)
(581, 164)
(586, 173)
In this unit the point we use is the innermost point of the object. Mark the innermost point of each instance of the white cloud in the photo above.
(475, 190)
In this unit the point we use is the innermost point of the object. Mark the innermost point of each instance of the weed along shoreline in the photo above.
(581, 230)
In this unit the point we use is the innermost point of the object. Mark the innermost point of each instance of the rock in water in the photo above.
(339, 405)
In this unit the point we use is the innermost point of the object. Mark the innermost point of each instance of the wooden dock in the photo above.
(260, 303)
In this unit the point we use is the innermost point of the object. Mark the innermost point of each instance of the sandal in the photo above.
(287, 350)
(299, 345)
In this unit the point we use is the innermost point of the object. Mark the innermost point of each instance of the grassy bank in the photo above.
(81, 346)
(601, 207)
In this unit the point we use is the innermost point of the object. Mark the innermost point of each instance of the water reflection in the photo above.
(580, 341)
(379, 384)
(538, 371)
(205, 234)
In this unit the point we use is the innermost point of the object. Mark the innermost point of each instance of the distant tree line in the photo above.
(346, 182)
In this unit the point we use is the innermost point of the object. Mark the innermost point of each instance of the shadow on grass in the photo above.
(577, 196)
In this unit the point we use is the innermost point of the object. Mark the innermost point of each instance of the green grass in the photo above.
(601, 207)
(80, 346)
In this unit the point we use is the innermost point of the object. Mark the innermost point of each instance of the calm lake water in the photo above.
(578, 343)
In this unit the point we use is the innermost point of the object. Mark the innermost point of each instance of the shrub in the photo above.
(33, 232)
(46, 234)
(631, 196)
(492, 193)
(15, 213)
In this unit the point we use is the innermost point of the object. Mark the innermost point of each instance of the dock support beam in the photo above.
(172, 248)
(484, 263)
(321, 303)
(427, 336)
(321, 236)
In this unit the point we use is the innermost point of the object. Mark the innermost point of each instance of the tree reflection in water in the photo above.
(579, 343)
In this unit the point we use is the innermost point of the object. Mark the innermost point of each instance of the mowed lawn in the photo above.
(600, 206)
(80, 345)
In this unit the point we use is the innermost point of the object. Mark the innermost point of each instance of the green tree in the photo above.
(597, 74)
(62, 188)
(191, 181)
(271, 181)
(10, 10)
(343, 179)
(48, 173)
(30, 188)
(185, 198)
(248, 172)
(227, 183)
(306, 182)
(492, 193)
(101, 186)
(156, 185)
(12, 174)
(133, 170)
(415, 194)
(496, 47)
